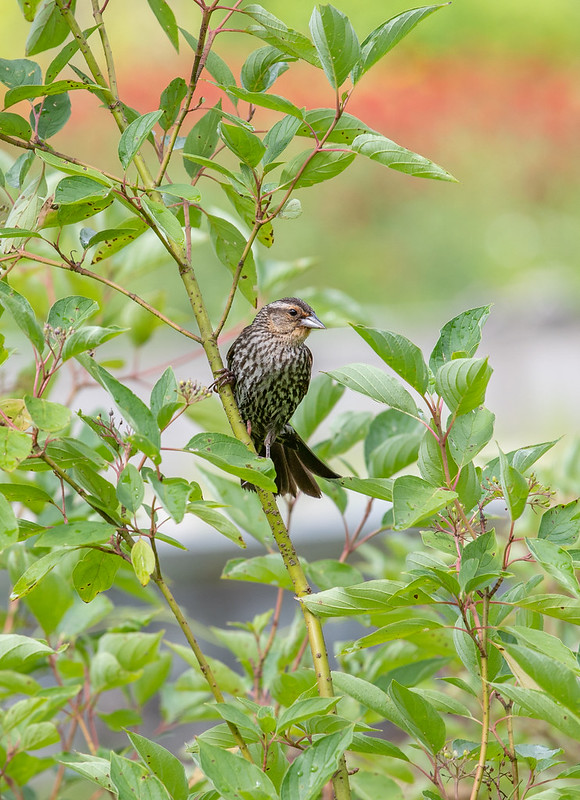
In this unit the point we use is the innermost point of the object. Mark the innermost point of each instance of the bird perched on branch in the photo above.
(269, 366)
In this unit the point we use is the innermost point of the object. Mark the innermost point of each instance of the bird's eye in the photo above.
(293, 312)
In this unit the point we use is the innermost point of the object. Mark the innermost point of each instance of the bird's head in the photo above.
(289, 318)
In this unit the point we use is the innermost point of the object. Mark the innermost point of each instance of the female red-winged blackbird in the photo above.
(270, 366)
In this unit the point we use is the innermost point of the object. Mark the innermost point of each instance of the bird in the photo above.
(269, 367)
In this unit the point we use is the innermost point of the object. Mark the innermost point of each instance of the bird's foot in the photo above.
(224, 377)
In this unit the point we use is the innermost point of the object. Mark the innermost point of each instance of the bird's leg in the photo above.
(224, 377)
(268, 442)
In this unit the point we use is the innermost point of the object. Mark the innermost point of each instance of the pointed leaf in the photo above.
(557, 562)
(314, 767)
(232, 456)
(561, 524)
(373, 382)
(229, 245)
(135, 134)
(461, 336)
(305, 170)
(404, 357)
(166, 18)
(23, 315)
(233, 776)
(390, 154)
(336, 43)
(414, 500)
(15, 447)
(462, 383)
(422, 720)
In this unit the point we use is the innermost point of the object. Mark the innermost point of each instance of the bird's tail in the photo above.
(295, 465)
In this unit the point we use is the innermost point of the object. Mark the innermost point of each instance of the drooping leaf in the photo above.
(95, 573)
(19, 72)
(49, 28)
(390, 154)
(229, 245)
(14, 125)
(404, 357)
(23, 315)
(514, 486)
(170, 102)
(54, 112)
(373, 382)
(202, 139)
(244, 144)
(276, 33)
(556, 561)
(233, 457)
(166, 18)
(421, 719)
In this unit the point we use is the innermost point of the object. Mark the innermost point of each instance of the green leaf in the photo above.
(35, 573)
(19, 71)
(170, 102)
(276, 33)
(561, 524)
(460, 336)
(47, 416)
(183, 190)
(8, 524)
(15, 447)
(514, 486)
(30, 91)
(548, 674)
(143, 560)
(162, 763)
(421, 719)
(134, 410)
(229, 245)
(173, 494)
(374, 745)
(381, 488)
(62, 59)
(380, 41)
(304, 709)
(54, 111)
(261, 68)
(390, 154)
(233, 457)
(392, 632)
(70, 311)
(365, 598)
(94, 573)
(49, 28)
(542, 642)
(135, 134)
(14, 125)
(23, 315)
(87, 338)
(414, 500)
(165, 219)
(279, 137)
(404, 357)
(21, 653)
(202, 139)
(373, 382)
(323, 394)
(272, 101)
(260, 569)
(469, 434)
(166, 18)
(73, 169)
(315, 766)
(552, 605)
(233, 776)
(462, 383)
(244, 144)
(370, 785)
(130, 490)
(336, 43)
(77, 188)
(93, 768)
(112, 240)
(218, 521)
(126, 775)
(328, 572)
(367, 694)
(392, 443)
(37, 735)
(76, 534)
(556, 561)
(539, 705)
(306, 169)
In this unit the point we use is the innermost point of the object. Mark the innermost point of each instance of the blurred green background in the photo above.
(489, 90)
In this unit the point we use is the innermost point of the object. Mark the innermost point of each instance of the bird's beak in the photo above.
(312, 321)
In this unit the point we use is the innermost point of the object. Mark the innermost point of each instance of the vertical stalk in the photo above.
(512, 752)
(485, 698)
